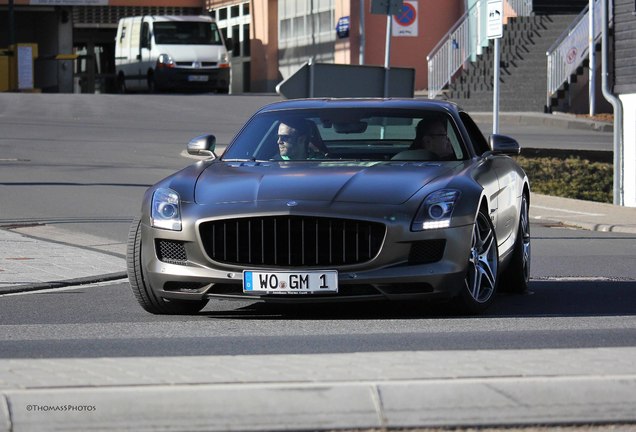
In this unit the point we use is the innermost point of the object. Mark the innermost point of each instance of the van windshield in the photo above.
(186, 33)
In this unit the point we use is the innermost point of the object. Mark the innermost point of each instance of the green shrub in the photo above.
(569, 178)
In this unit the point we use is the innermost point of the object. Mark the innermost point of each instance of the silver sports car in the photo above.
(338, 200)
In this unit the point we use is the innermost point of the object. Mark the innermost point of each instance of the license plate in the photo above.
(198, 78)
(312, 282)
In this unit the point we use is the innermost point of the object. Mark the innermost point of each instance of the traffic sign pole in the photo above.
(387, 55)
(495, 31)
(495, 98)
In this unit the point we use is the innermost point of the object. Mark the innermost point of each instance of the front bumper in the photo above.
(191, 78)
(389, 275)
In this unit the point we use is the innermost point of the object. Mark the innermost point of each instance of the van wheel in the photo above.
(152, 85)
(121, 84)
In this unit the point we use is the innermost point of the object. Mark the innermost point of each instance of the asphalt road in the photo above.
(81, 163)
(582, 295)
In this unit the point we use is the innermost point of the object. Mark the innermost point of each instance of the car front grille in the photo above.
(196, 65)
(292, 241)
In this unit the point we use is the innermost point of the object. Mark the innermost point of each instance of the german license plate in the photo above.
(198, 78)
(311, 282)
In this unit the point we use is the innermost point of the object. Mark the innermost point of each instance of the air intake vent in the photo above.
(292, 241)
(171, 252)
(427, 251)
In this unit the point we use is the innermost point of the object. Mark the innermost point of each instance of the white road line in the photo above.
(566, 211)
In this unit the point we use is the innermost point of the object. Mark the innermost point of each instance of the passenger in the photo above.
(431, 134)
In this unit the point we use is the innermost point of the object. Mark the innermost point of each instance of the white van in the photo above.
(171, 52)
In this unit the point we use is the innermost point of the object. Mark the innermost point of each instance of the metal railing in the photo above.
(463, 41)
(521, 7)
(571, 49)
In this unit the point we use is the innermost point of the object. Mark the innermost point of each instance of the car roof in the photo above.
(379, 103)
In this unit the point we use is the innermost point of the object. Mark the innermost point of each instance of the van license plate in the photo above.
(198, 78)
(311, 282)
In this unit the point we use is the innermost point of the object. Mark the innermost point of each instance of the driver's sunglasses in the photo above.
(286, 138)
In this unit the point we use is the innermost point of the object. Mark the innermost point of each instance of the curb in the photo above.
(565, 121)
(63, 283)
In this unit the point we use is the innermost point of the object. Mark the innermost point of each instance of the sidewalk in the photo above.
(32, 262)
(286, 392)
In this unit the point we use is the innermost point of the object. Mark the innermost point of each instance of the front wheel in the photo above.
(480, 283)
(121, 84)
(141, 288)
(152, 83)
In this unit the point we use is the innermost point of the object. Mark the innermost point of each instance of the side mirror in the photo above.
(502, 144)
(203, 146)
(229, 44)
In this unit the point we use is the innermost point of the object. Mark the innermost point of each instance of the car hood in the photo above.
(357, 182)
(192, 53)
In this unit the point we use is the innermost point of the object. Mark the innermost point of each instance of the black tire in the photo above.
(482, 276)
(121, 84)
(142, 291)
(516, 276)
(152, 84)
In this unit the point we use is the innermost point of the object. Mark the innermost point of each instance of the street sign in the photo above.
(495, 19)
(386, 7)
(405, 23)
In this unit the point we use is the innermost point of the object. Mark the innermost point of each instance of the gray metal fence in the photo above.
(571, 49)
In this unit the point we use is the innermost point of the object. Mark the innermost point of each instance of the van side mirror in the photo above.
(202, 146)
(229, 44)
(502, 144)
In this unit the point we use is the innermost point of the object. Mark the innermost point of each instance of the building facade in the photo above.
(272, 38)
(276, 37)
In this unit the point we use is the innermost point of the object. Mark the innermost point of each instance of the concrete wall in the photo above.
(629, 143)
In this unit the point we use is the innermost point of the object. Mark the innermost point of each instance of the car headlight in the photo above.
(165, 61)
(224, 61)
(166, 210)
(436, 210)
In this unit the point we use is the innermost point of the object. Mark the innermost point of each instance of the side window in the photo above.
(476, 137)
(454, 140)
(145, 35)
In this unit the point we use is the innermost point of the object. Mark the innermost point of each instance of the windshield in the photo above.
(186, 33)
(349, 135)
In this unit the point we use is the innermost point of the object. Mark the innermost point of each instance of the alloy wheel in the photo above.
(481, 278)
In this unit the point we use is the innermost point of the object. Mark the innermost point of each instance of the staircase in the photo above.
(551, 7)
(523, 67)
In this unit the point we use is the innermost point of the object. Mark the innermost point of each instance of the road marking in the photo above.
(580, 279)
(566, 211)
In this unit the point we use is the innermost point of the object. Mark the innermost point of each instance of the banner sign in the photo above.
(576, 46)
